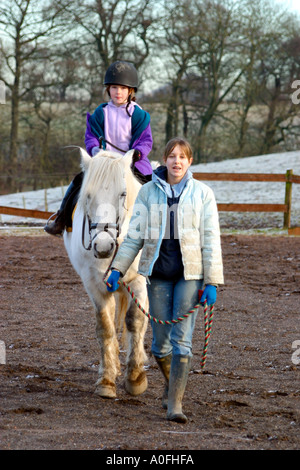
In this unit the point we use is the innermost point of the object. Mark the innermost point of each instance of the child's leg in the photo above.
(58, 225)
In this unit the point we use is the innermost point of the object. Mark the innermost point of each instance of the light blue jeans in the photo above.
(169, 300)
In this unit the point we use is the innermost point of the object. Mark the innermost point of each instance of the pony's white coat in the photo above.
(107, 195)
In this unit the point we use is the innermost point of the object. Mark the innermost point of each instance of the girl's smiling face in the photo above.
(177, 164)
(119, 94)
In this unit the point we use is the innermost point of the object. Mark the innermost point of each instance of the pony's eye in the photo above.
(123, 196)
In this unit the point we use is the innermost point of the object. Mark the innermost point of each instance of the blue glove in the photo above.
(209, 294)
(113, 281)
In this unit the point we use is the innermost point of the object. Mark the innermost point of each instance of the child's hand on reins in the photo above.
(113, 281)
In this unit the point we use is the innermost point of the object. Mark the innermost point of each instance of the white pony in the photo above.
(100, 221)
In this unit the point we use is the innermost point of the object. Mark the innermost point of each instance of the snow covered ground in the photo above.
(225, 192)
(255, 192)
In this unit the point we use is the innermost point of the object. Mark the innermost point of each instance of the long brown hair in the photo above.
(183, 143)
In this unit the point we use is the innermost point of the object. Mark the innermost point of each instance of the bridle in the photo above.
(99, 227)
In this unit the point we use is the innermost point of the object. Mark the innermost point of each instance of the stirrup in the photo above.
(47, 227)
(51, 217)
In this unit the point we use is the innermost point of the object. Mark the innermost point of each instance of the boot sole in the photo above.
(54, 234)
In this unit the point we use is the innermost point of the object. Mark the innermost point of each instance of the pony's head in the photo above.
(108, 192)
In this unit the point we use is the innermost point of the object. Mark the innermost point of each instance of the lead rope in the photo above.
(208, 318)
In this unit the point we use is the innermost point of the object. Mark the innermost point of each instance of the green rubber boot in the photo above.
(164, 363)
(180, 368)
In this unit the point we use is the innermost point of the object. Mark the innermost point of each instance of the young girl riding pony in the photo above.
(119, 125)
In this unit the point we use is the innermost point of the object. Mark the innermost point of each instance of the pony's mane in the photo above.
(104, 171)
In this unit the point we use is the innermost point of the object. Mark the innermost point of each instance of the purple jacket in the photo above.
(141, 136)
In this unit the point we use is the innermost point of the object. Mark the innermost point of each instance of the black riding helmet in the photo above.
(122, 73)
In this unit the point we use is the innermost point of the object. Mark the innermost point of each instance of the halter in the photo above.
(100, 227)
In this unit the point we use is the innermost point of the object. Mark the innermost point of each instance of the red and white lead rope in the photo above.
(208, 318)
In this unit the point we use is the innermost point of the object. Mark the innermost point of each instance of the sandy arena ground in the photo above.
(247, 399)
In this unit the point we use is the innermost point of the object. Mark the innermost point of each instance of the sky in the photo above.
(295, 4)
(292, 4)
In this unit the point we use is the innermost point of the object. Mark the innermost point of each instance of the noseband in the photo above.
(100, 227)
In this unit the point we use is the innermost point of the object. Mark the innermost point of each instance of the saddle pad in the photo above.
(69, 229)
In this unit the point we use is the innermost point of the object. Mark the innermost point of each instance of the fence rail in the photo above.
(263, 177)
(30, 213)
(288, 178)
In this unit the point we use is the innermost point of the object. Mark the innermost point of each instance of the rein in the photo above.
(101, 139)
(208, 317)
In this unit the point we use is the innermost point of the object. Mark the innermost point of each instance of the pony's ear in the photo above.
(128, 158)
(85, 159)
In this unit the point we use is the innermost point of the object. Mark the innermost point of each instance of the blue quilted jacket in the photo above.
(197, 229)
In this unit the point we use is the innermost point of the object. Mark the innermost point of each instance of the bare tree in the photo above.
(202, 39)
(218, 61)
(179, 53)
(116, 29)
(278, 72)
(269, 34)
(24, 25)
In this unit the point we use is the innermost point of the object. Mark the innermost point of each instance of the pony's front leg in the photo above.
(135, 377)
(109, 349)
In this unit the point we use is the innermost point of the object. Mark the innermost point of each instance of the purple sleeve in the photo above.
(89, 139)
(144, 145)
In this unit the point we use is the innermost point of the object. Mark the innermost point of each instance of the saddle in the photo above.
(71, 202)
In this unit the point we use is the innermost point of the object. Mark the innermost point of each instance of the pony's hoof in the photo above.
(137, 386)
(177, 417)
(106, 389)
